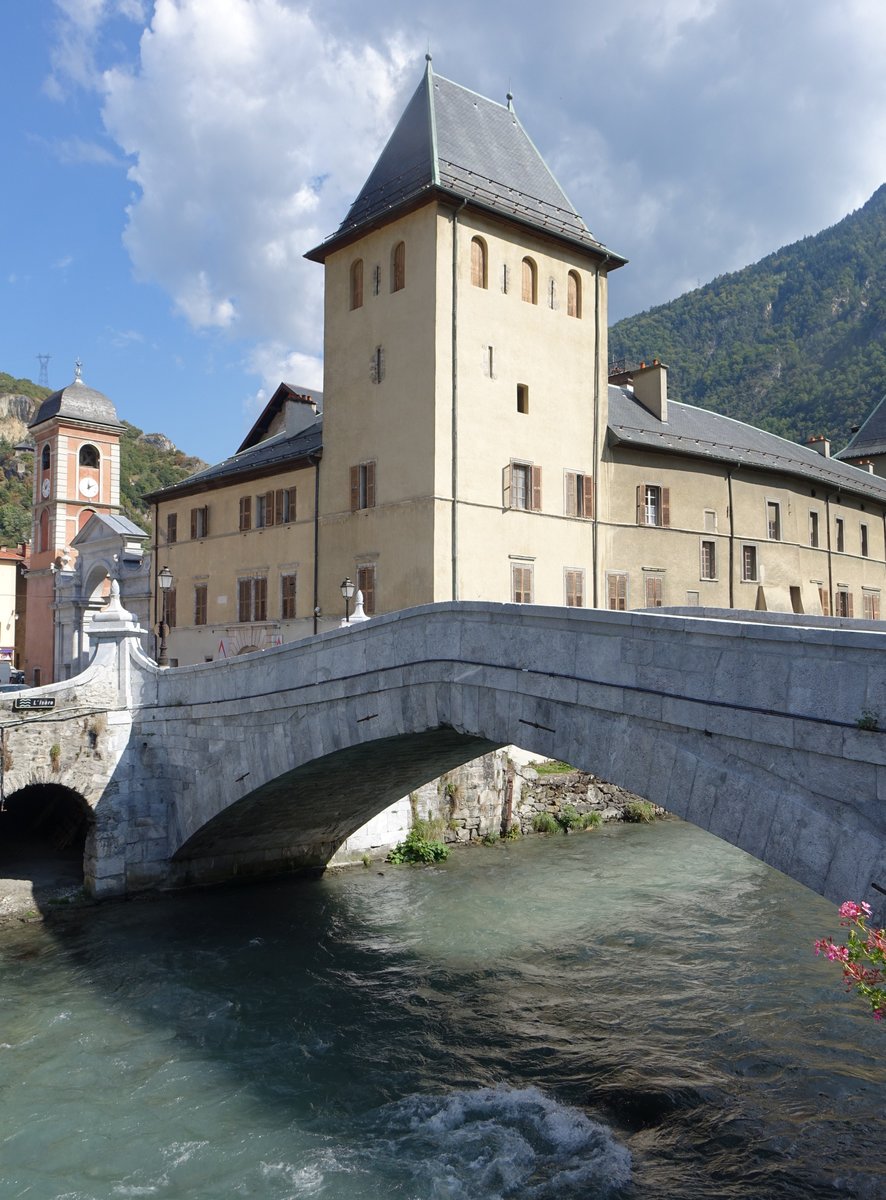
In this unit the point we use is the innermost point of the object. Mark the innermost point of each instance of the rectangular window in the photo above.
(521, 584)
(366, 584)
(708, 560)
(842, 603)
(287, 597)
(710, 520)
(363, 486)
(523, 486)
(871, 601)
(579, 494)
(653, 504)
(523, 398)
(201, 603)
(575, 588)
(171, 528)
(841, 534)
(617, 589)
(749, 564)
(692, 599)
(825, 601)
(199, 522)
(252, 599)
(245, 513)
(773, 521)
(813, 529)
(284, 506)
(654, 588)
(864, 541)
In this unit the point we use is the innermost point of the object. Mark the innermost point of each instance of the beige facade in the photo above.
(474, 447)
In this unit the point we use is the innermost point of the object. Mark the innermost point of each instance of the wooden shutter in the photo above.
(587, 495)
(398, 267)
(370, 485)
(824, 601)
(200, 604)
(244, 599)
(193, 524)
(290, 504)
(506, 486)
(170, 608)
(260, 593)
(849, 612)
(535, 503)
(575, 589)
(665, 510)
(654, 591)
(366, 584)
(245, 513)
(287, 607)
(571, 494)
(278, 506)
(269, 508)
(641, 503)
(172, 528)
(355, 488)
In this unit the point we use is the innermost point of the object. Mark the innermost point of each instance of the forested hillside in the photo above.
(147, 462)
(795, 343)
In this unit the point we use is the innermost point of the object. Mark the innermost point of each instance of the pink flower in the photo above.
(851, 911)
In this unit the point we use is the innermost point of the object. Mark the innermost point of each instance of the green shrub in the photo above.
(490, 838)
(552, 768)
(590, 820)
(638, 812)
(512, 832)
(570, 818)
(418, 848)
(869, 720)
(544, 822)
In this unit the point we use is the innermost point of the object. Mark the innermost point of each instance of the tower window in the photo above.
(398, 267)
(530, 281)
(478, 262)
(357, 284)
(573, 295)
(522, 397)
(45, 457)
(88, 456)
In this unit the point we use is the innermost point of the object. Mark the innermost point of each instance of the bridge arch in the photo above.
(44, 831)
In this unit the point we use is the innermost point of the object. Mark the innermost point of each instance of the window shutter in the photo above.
(355, 488)
(587, 496)
(269, 508)
(290, 516)
(278, 506)
(613, 591)
(571, 494)
(261, 599)
(536, 489)
(665, 506)
(641, 496)
(849, 612)
(244, 595)
(506, 486)
(245, 513)
(366, 584)
(370, 485)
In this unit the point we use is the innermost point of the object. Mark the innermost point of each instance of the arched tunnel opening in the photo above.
(43, 831)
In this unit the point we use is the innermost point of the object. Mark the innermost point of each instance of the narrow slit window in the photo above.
(478, 262)
(522, 397)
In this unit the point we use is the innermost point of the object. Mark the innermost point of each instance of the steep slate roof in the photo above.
(273, 454)
(702, 434)
(273, 408)
(77, 402)
(870, 438)
(457, 144)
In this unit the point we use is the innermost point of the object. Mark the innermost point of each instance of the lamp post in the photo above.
(347, 590)
(164, 581)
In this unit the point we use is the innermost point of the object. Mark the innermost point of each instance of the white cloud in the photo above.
(251, 130)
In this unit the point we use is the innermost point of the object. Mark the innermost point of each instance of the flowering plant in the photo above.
(863, 958)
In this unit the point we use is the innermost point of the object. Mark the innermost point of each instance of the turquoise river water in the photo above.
(630, 1013)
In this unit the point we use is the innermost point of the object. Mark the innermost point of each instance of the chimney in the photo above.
(866, 464)
(299, 414)
(821, 445)
(651, 388)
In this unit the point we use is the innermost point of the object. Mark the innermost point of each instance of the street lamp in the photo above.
(347, 590)
(164, 581)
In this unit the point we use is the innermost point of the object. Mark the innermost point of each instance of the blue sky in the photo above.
(168, 162)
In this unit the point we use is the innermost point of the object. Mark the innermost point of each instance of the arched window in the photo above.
(357, 283)
(43, 531)
(398, 267)
(573, 295)
(88, 456)
(530, 281)
(45, 457)
(478, 262)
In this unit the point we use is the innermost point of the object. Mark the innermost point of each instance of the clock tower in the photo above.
(76, 436)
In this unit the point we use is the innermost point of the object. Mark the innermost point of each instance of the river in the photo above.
(628, 1013)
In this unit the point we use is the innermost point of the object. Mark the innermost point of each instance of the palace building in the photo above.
(475, 445)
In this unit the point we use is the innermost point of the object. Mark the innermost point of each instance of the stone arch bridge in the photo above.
(746, 727)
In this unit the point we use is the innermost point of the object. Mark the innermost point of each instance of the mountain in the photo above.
(147, 461)
(795, 343)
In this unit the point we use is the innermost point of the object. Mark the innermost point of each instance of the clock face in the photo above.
(88, 487)
(45, 487)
